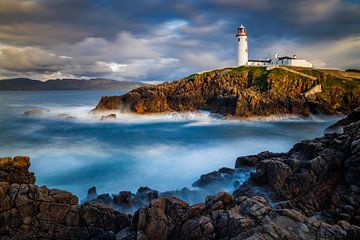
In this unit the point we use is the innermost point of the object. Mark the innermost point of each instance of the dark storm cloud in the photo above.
(167, 39)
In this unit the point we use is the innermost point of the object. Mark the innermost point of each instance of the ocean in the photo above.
(73, 150)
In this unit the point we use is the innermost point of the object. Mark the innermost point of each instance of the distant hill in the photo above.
(26, 84)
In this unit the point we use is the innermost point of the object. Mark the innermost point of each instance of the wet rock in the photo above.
(157, 220)
(273, 172)
(223, 176)
(124, 199)
(147, 194)
(221, 200)
(315, 176)
(92, 194)
(31, 212)
(66, 116)
(197, 228)
(111, 116)
(15, 170)
(354, 116)
(36, 112)
(252, 160)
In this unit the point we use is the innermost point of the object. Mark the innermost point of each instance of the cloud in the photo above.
(31, 59)
(165, 40)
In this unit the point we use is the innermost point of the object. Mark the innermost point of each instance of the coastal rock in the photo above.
(354, 116)
(125, 200)
(252, 160)
(15, 170)
(316, 176)
(111, 116)
(36, 112)
(28, 211)
(92, 193)
(243, 92)
(220, 177)
(158, 219)
(243, 218)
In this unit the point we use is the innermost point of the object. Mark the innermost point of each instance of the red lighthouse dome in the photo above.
(241, 31)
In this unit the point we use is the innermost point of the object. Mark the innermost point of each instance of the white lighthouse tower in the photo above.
(242, 40)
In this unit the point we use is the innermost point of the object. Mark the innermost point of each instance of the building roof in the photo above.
(286, 57)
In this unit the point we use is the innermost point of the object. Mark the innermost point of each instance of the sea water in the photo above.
(73, 150)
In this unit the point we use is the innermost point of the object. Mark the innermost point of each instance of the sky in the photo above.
(158, 40)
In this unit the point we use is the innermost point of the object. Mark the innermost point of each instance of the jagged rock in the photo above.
(320, 175)
(31, 212)
(147, 194)
(157, 219)
(15, 170)
(354, 116)
(220, 177)
(92, 194)
(220, 200)
(252, 160)
(125, 200)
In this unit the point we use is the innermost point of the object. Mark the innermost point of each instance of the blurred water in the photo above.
(164, 152)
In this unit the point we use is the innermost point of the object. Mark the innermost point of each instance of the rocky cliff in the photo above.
(246, 91)
(310, 192)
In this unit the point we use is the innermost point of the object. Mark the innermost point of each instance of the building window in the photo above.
(238, 39)
(245, 39)
(246, 50)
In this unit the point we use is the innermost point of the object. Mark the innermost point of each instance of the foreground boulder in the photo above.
(28, 211)
(226, 217)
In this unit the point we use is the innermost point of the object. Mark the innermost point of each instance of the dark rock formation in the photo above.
(351, 118)
(223, 176)
(225, 217)
(31, 212)
(244, 92)
(320, 176)
(125, 201)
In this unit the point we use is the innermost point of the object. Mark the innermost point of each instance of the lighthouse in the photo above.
(242, 41)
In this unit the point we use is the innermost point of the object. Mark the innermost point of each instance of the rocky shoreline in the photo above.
(310, 192)
(245, 92)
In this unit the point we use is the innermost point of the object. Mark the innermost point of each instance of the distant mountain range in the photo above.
(26, 84)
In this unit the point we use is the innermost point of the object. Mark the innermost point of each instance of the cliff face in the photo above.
(244, 92)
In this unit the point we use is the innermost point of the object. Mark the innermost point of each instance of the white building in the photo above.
(243, 55)
(242, 41)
